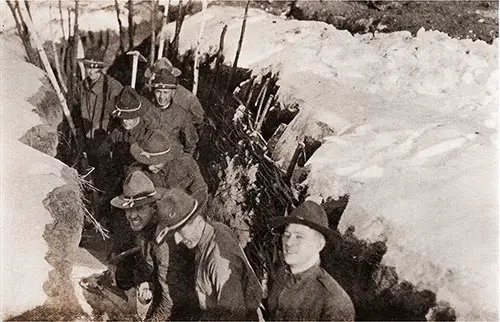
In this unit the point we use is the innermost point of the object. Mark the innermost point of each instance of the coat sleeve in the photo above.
(162, 305)
(115, 88)
(197, 188)
(338, 309)
(226, 276)
(190, 135)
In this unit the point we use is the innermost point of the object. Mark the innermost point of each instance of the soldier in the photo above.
(302, 290)
(138, 201)
(164, 162)
(131, 112)
(226, 285)
(167, 166)
(181, 96)
(173, 120)
(97, 98)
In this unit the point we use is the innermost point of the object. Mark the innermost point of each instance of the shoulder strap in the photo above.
(104, 99)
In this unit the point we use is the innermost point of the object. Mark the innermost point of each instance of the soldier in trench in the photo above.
(302, 290)
(180, 95)
(96, 98)
(173, 120)
(226, 285)
(163, 161)
(138, 202)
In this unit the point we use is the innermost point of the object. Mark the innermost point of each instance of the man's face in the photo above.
(190, 233)
(93, 73)
(139, 217)
(129, 124)
(155, 168)
(164, 96)
(300, 244)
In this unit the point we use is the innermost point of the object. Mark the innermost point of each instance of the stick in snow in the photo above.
(54, 52)
(131, 29)
(62, 20)
(220, 55)
(163, 31)
(117, 8)
(240, 43)
(204, 4)
(153, 33)
(49, 71)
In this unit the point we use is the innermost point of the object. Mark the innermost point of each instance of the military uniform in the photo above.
(226, 285)
(312, 295)
(177, 123)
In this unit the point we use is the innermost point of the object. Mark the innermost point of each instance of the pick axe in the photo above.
(136, 56)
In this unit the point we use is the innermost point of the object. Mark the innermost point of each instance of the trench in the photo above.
(247, 188)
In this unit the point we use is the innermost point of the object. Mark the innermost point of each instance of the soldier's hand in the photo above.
(144, 293)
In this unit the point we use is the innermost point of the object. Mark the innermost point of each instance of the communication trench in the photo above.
(247, 187)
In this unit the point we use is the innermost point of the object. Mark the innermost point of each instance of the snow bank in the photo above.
(414, 145)
(42, 212)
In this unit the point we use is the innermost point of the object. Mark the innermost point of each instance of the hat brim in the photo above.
(162, 229)
(121, 203)
(91, 63)
(329, 234)
(130, 115)
(135, 151)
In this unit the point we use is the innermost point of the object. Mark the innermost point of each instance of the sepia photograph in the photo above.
(249, 160)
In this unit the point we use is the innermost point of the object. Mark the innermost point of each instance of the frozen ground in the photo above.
(414, 123)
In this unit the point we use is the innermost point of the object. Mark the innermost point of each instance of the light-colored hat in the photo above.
(174, 209)
(138, 190)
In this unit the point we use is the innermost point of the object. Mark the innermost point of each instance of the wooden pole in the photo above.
(262, 98)
(49, 71)
(25, 39)
(69, 23)
(178, 24)
(238, 51)
(62, 19)
(74, 56)
(117, 8)
(196, 76)
(264, 113)
(163, 32)
(27, 34)
(153, 33)
(220, 55)
(131, 27)
(54, 52)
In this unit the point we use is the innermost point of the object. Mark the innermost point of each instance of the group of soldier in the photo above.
(189, 267)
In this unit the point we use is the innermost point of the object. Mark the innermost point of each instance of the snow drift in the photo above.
(414, 125)
(42, 208)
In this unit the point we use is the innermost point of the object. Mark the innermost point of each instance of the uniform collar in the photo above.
(308, 273)
(208, 233)
(96, 87)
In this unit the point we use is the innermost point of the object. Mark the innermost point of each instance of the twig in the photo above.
(238, 51)
(204, 4)
(50, 73)
(117, 8)
(54, 52)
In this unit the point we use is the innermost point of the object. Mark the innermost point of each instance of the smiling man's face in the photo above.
(139, 217)
(300, 244)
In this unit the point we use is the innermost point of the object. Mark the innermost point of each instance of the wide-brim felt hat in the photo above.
(164, 80)
(129, 104)
(155, 149)
(175, 208)
(94, 58)
(138, 190)
(165, 64)
(309, 214)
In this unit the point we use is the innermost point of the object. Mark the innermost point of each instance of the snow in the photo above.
(27, 176)
(409, 131)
